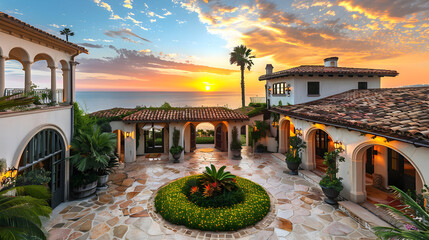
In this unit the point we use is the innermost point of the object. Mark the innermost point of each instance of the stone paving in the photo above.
(121, 211)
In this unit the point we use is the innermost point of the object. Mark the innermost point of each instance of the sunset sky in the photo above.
(184, 45)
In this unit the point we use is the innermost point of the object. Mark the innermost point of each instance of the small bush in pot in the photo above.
(293, 158)
(331, 185)
(176, 150)
(235, 145)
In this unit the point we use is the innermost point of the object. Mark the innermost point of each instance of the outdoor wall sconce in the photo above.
(269, 90)
(9, 176)
(127, 134)
(338, 145)
(298, 131)
(275, 124)
(255, 129)
(288, 90)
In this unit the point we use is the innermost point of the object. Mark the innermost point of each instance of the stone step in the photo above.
(381, 213)
(310, 176)
(361, 215)
(279, 156)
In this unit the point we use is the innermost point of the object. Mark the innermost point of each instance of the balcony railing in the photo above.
(257, 99)
(43, 94)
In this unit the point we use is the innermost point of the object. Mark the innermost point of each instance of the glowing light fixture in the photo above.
(298, 131)
(338, 145)
(275, 124)
(9, 176)
(288, 90)
(128, 134)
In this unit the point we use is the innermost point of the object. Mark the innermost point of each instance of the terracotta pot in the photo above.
(331, 195)
(236, 154)
(293, 167)
(85, 190)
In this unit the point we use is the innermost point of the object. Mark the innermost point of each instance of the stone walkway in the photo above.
(120, 212)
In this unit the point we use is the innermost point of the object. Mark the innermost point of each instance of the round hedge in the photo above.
(173, 205)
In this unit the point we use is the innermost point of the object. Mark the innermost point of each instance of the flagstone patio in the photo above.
(125, 209)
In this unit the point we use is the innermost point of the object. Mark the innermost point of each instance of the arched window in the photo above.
(46, 150)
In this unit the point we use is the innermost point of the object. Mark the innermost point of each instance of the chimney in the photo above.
(331, 62)
(269, 69)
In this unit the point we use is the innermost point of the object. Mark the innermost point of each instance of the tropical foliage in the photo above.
(14, 100)
(67, 32)
(296, 146)
(330, 180)
(218, 179)
(242, 57)
(260, 130)
(414, 217)
(34, 177)
(176, 148)
(174, 206)
(20, 212)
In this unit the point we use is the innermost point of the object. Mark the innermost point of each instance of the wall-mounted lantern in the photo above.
(288, 90)
(275, 124)
(338, 145)
(269, 90)
(298, 131)
(255, 129)
(127, 134)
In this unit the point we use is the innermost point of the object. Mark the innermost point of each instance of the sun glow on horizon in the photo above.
(207, 88)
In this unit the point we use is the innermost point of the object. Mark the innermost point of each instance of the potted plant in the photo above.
(103, 174)
(259, 131)
(176, 150)
(91, 153)
(235, 145)
(330, 184)
(293, 158)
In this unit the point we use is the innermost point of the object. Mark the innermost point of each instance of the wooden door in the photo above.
(400, 172)
(193, 138)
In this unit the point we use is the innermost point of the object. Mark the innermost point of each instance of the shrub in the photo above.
(330, 180)
(204, 140)
(235, 143)
(296, 145)
(175, 207)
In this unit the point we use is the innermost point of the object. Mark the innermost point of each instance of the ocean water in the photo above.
(95, 101)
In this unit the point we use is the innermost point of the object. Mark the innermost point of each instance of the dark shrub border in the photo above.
(173, 205)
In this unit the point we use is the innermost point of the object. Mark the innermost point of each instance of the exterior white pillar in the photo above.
(130, 143)
(247, 135)
(2, 75)
(27, 69)
(230, 127)
(66, 87)
(72, 81)
(54, 84)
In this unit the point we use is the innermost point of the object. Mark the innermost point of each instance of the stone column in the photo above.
(130, 143)
(66, 87)
(247, 135)
(27, 69)
(72, 81)
(2, 75)
(230, 127)
(53, 84)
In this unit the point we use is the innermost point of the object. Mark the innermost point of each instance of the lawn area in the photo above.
(205, 140)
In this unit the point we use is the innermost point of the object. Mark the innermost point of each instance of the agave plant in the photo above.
(20, 212)
(212, 176)
(413, 216)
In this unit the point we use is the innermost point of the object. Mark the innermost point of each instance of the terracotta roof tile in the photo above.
(6, 17)
(185, 114)
(114, 112)
(402, 112)
(319, 69)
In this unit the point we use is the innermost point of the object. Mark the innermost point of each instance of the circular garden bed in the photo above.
(175, 205)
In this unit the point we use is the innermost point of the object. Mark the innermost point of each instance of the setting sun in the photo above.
(207, 88)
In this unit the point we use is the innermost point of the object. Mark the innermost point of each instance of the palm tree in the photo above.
(67, 32)
(413, 216)
(241, 55)
(20, 212)
(92, 150)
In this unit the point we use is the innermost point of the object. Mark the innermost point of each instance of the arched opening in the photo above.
(46, 150)
(286, 130)
(221, 137)
(200, 136)
(154, 137)
(120, 144)
(319, 142)
(382, 166)
(45, 78)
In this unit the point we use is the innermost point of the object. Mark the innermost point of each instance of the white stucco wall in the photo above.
(328, 86)
(353, 169)
(18, 128)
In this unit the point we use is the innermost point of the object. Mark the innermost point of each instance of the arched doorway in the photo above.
(319, 142)
(286, 130)
(380, 167)
(46, 150)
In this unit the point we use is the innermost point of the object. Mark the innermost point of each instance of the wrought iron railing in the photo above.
(44, 95)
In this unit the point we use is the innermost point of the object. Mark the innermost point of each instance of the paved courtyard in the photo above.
(121, 211)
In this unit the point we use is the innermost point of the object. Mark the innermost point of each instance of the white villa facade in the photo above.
(311, 82)
(384, 134)
(38, 137)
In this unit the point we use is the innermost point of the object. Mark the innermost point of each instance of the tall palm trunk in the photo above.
(243, 102)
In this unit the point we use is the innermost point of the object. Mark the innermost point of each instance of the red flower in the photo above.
(207, 186)
(194, 189)
(234, 180)
(214, 184)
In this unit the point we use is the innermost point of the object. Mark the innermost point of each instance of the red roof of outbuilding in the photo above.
(319, 69)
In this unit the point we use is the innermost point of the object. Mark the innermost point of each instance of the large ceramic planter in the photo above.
(85, 190)
(102, 180)
(331, 195)
(293, 167)
(236, 154)
(176, 157)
